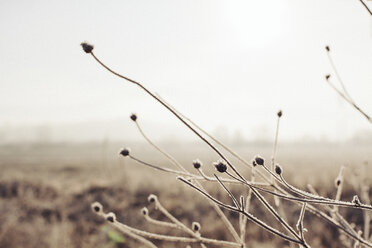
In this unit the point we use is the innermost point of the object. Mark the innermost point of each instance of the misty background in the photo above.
(228, 65)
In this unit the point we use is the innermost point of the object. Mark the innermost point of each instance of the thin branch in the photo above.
(172, 111)
(365, 6)
(248, 215)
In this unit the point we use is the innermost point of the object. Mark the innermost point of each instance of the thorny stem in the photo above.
(172, 111)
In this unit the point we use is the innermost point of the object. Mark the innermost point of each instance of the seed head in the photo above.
(327, 76)
(220, 166)
(327, 48)
(152, 198)
(338, 182)
(145, 211)
(259, 160)
(356, 200)
(88, 48)
(133, 117)
(111, 217)
(97, 207)
(195, 226)
(280, 113)
(278, 169)
(254, 163)
(197, 163)
(124, 152)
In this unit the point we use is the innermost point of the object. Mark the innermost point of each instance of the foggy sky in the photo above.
(228, 64)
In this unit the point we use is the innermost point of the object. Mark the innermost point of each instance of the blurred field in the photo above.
(46, 191)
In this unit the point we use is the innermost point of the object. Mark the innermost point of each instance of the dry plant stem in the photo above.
(229, 150)
(223, 217)
(160, 223)
(321, 201)
(243, 218)
(150, 235)
(127, 231)
(248, 215)
(365, 6)
(273, 181)
(189, 175)
(173, 112)
(167, 155)
(136, 233)
(339, 184)
(236, 203)
(346, 227)
(269, 207)
(365, 197)
(300, 223)
(345, 95)
(335, 214)
(319, 213)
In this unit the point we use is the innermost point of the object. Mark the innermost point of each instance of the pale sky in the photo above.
(226, 64)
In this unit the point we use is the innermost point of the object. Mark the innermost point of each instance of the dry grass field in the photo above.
(46, 191)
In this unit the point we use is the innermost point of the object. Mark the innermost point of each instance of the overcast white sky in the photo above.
(226, 64)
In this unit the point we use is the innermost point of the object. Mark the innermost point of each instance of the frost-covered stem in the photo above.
(170, 110)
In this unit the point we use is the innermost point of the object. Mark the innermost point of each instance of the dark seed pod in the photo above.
(327, 76)
(133, 117)
(280, 113)
(88, 48)
(124, 152)
(278, 169)
(337, 182)
(111, 217)
(152, 198)
(195, 226)
(327, 48)
(97, 207)
(259, 160)
(197, 163)
(220, 166)
(145, 211)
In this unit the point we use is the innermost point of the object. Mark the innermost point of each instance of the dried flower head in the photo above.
(254, 163)
(280, 113)
(327, 48)
(88, 48)
(145, 211)
(195, 226)
(97, 207)
(259, 160)
(197, 163)
(152, 198)
(338, 181)
(111, 217)
(125, 152)
(327, 76)
(220, 166)
(133, 117)
(278, 169)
